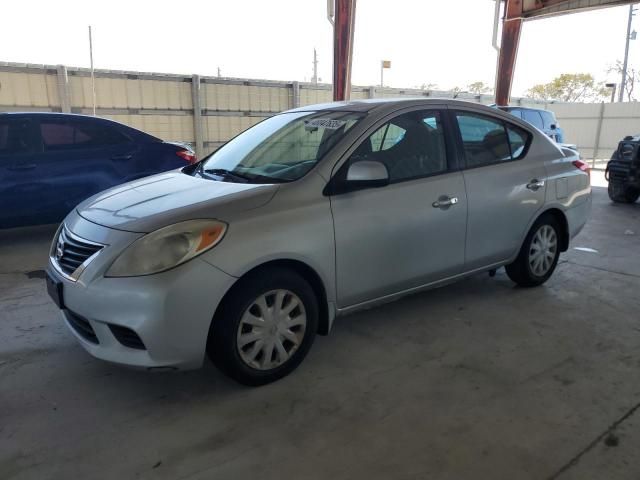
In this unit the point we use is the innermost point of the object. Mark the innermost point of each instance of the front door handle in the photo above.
(444, 201)
(22, 166)
(121, 158)
(535, 184)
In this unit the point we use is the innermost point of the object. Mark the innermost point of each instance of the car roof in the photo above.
(513, 107)
(58, 115)
(380, 107)
(374, 104)
(52, 114)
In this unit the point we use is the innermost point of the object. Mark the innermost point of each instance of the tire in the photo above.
(621, 193)
(237, 322)
(525, 271)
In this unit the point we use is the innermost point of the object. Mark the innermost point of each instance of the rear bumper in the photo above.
(577, 216)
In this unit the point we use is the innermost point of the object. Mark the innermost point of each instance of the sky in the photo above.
(441, 42)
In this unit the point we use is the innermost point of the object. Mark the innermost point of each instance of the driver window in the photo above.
(386, 137)
(15, 137)
(411, 145)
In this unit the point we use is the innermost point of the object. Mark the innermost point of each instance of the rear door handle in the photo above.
(23, 166)
(121, 158)
(444, 201)
(535, 184)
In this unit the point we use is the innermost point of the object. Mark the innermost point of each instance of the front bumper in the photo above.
(170, 312)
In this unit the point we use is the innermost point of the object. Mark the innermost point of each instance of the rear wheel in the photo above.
(621, 193)
(264, 327)
(538, 255)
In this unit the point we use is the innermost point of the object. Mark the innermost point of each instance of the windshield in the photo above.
(279, 149)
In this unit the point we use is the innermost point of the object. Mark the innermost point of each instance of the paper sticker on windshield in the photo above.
(324, 123)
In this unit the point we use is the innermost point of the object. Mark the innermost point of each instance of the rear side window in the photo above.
(62, 135)
(516, 112)
(487, 141)
(57, 134)
(518, 140)
(533, 117)
(548, 118)
(15, 137)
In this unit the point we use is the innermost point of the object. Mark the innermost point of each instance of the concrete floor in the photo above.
(476, 380)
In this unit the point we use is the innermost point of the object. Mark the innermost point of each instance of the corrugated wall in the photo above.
(37, 89)
(162, 104)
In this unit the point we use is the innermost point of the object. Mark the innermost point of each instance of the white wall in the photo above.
(162, 104)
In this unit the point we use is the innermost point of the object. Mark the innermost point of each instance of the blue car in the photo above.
(50, 162)
(544, 120)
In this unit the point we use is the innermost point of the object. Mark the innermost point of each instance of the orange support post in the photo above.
(345, 14)
(511, 27)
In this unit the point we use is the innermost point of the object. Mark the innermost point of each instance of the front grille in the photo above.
(71, 251)
(127, 337)
(82, 327)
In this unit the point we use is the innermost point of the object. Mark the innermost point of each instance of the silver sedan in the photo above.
(309, 215)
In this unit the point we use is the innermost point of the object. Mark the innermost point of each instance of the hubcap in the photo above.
(271, 329)
(543, 250)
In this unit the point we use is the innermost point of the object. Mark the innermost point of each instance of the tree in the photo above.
(456, 91)
(570, 87)
(479, 88)
(428, 86)
(632, 78)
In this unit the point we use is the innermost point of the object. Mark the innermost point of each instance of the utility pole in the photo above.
(93, 77)
(623, 83)
(314, 79)
(219, 75)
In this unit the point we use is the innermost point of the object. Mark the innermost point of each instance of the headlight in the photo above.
(167, 247)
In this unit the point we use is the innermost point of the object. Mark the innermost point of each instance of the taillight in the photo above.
(187, 155)
(584, 166)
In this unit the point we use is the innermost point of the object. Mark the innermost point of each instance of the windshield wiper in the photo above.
(241, 177)
(223, 172)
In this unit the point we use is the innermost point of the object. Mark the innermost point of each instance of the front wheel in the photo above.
(264, 327)
(538, 255)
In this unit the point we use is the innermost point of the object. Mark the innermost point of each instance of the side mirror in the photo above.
(361, 174)
(367, 173)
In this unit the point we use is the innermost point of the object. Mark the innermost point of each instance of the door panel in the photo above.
(19, 199)
(498, 179)
(391, 239)
(79, 158)
(500, 209)
(398, 237)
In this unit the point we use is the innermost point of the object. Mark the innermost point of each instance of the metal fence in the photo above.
(207, 111)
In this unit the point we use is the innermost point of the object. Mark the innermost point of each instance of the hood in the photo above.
(154, 202)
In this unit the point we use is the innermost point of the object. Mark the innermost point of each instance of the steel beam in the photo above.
(516, 11)
(542, 8)
(511, 27)
(345, 14)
